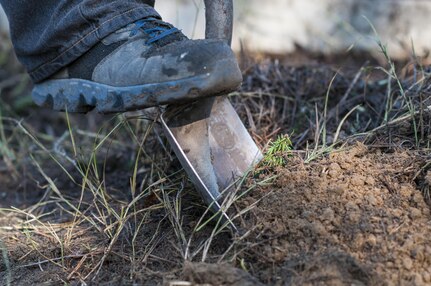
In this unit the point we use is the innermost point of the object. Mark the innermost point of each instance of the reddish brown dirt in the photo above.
(354, 218)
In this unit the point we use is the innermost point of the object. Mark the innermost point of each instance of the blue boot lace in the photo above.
(160, 31)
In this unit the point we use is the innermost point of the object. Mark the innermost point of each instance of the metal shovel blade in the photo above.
(212, 144)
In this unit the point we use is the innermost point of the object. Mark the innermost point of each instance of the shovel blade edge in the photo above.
(212, 144)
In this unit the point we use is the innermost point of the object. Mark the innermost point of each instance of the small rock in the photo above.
(337, 190)
(370, 181)
(351, 206)
(395, 277)
(372, 200)
(328, 215)
(358, 241)
(426, 276)
(278, 255)
(357, 181)
(334, 170)
(408, 263)
(318, 228)
(409, 243)
(372, 240)
(418, 279)
(355, 217)
(308, 215)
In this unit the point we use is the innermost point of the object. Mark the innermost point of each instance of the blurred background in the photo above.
(324, 26)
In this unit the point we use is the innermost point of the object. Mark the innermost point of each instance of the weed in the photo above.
(392, 75)
(278, 150)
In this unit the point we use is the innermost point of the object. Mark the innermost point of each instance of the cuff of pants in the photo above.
(91, 37)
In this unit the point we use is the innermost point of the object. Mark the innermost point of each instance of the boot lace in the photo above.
(157, 31)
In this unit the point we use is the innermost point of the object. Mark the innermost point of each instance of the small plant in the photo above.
(275, 156)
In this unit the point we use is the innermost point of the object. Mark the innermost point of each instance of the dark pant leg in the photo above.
(50, 34)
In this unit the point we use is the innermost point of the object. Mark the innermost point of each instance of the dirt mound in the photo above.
(354, 218)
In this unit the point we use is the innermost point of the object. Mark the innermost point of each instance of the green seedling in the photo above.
(276, 154)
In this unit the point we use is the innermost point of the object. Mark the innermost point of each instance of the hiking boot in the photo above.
(146, 64)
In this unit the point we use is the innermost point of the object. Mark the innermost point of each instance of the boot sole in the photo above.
(82, 96)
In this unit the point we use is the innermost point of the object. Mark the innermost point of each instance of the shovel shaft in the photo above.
(219, 19)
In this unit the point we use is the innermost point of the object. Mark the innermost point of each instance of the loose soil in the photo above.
(354, 218)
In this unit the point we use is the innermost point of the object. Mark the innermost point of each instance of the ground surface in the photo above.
(353, 218)
(82, 204)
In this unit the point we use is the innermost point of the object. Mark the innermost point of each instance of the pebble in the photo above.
(418, 279)
(338, 190)
(334, 170)
(409, 243)
(328, 215)
(278, 255)
(358, 241)
(395, 277)
(357, 181)
(408, 263)
(308, 215)
(370, 181)
(351, 206)
(355, 217)
(318, 228)
(372, 240)
(372, 200)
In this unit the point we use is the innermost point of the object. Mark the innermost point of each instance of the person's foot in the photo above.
(145, 64)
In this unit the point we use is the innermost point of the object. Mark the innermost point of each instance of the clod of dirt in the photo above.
(331, 268)
(218, 274)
